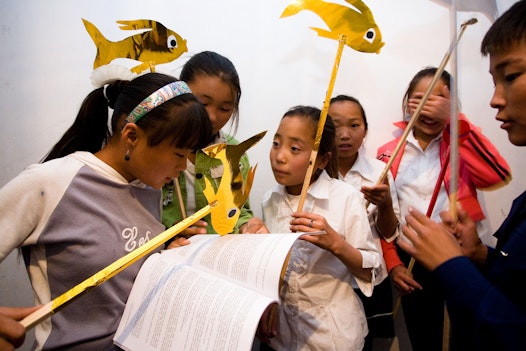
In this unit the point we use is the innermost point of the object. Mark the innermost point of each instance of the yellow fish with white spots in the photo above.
(355, 22)
(156, 45)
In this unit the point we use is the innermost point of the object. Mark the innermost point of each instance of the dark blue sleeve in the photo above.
(499, 323)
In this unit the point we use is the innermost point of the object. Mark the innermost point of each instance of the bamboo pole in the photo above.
(321, 123)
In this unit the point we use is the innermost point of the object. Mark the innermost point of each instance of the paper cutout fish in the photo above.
(487, 7)
(356, 22)
(156, 45)
(232, 193)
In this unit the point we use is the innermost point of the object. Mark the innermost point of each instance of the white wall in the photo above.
(47, 58)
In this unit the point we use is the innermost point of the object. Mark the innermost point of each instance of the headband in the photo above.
(157, 98)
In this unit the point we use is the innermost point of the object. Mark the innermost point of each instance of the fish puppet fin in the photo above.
(359, 4)
(100, 41)
(325, 33)
(241, 197)
(139, 24)
(293, 8)
(234, 152)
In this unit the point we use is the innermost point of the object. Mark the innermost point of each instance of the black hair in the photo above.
(445, 77)
(506, 31)
(327, 142)
(182, 118)
(356, 101)
(212, 64)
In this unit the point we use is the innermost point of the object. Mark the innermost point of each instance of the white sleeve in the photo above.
(358, 234)
(27, 202)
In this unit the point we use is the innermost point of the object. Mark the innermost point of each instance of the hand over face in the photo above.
(437, 107)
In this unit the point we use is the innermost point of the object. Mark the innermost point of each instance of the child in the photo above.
(214, 80)
(485, 296)
(416, 171)
(319, 309)
(362, 172)
(79, 211)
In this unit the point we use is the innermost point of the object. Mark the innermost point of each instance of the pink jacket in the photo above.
(480, 167)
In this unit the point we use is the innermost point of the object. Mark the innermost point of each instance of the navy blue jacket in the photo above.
(489, 305)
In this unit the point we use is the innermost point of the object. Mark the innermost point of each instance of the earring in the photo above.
(127, 156)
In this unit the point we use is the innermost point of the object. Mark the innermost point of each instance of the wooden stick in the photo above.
(180, 197)
(111, 270)
(429, 212)
(321, 123)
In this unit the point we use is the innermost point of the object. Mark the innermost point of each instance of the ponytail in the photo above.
(89, 132)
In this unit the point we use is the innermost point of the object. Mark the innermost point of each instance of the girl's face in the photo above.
(218, 98)
(350, 127)
(427, 127)
(509, 98)
(155, 165)
(291, 150)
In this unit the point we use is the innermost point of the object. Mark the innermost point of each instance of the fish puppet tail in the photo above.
(99, 40)
(295, 7)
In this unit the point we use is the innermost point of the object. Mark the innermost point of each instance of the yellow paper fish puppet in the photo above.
(156, 45)
(356, 22)
(232, 193)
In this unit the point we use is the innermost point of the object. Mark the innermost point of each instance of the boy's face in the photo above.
(508, 69)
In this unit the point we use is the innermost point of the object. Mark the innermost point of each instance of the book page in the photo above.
(251, 260)
(181, 308)
(208, 295)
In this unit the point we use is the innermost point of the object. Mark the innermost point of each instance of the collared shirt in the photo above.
(319, 309)
(416, 178)
(365, 172)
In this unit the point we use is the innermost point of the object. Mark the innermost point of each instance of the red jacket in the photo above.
(480, 166)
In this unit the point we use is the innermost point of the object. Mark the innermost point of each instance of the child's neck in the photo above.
(345, 163)
(295, 190)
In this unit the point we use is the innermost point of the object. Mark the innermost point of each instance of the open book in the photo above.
(208, 295)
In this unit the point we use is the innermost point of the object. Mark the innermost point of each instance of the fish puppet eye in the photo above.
(370, 35)
(232, 212)
(171, 42)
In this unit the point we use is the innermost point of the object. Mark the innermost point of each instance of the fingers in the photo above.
(18, 313)
(268, 323)
(12, 333)
(307, 222)
(178, 242)
(403, 280)
(254, 226)
(445, 91)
